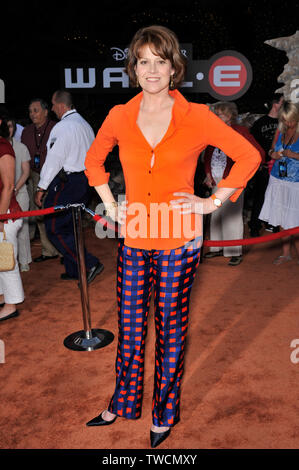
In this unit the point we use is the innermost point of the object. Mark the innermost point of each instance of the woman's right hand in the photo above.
(117, 212)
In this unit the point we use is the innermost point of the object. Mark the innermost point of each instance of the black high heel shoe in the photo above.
(158, 437)
(11, 315)
(99, 421)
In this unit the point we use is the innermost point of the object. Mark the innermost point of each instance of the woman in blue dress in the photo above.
(281, 204)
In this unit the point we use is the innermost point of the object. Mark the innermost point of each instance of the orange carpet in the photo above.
(240, 387)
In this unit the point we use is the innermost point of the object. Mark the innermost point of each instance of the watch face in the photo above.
(217, 202)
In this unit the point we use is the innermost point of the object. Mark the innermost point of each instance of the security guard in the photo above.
(63, 178)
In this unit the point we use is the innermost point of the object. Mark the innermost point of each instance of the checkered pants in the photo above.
(171, 273)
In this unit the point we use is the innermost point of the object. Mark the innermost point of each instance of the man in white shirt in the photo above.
(62, 175)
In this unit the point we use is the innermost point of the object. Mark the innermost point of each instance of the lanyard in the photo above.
(74, 112)
(289, 143)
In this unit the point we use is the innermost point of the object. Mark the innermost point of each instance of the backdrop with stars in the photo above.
(42, 37)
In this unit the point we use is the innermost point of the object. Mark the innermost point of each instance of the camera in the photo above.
(283, 169)
(36, 161)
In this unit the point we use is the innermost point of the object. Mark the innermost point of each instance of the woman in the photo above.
(281, 204)
(160, 136)
(11, 288)
(226, 224)
(22, 174)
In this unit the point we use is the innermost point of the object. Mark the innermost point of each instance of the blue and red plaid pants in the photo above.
(170, 273)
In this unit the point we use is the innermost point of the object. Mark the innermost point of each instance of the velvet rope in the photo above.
(19, 214)
(254, 240)
(243, 241)
(107, 224)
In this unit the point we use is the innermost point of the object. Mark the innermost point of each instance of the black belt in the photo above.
(63, 175)
(74, 172)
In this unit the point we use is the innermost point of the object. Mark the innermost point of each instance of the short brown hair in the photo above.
(63, 96)
(227, 107)
(165, 44)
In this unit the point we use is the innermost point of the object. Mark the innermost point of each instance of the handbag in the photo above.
(7, 258)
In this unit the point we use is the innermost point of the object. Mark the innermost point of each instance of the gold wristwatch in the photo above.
(110, 206)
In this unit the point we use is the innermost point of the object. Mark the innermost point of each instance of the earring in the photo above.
(137, 82)
(171, 84)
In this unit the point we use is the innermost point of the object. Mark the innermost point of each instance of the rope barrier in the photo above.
(243, 241)
(107, 224)
(103, 221)
(19, 214)
(90, 339)
(253, 240)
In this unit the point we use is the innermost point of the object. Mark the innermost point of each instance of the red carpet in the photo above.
(240, 387)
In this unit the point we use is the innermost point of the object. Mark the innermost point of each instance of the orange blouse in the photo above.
(152, 175)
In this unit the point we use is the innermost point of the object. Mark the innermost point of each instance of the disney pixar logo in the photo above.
(119, 54)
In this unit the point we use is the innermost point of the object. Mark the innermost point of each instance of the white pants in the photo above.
(227, 224)
(10, 281)
(24, 248)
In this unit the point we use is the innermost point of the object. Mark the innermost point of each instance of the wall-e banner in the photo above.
(226, 76)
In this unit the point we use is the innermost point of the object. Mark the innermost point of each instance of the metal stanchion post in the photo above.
(206, 220)
(88, 339)
(206, 226)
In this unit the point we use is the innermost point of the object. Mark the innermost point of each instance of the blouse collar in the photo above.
(180, 108)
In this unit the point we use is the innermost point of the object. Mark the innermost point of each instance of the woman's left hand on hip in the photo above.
(189, 203)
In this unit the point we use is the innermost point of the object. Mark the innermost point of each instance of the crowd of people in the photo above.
(39, 181)
(161, 138)
(227, 224)
(271, 207)
(42, 165)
